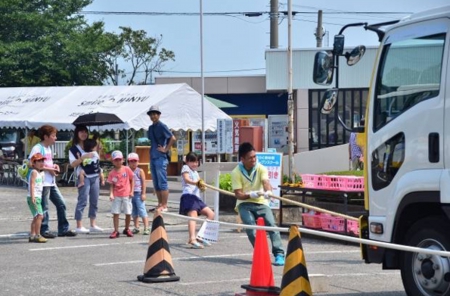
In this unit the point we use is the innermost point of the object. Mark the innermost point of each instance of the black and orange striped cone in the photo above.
(261, 279)
(295, 279)
(158, 267)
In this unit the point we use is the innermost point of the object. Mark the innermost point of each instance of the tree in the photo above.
(143, 53)
(46, 42)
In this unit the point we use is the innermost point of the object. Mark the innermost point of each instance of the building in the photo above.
(265, 96)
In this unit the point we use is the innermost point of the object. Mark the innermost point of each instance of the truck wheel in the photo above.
(423, 274)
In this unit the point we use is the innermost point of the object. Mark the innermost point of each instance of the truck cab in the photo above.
(407, 145)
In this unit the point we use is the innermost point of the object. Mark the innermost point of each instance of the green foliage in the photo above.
(225, 182)
(143, 53)
(47, 43)
(287, 179)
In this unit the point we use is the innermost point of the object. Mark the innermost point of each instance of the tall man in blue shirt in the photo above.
(161, 139)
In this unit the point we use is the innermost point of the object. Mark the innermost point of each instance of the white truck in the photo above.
(407, 144)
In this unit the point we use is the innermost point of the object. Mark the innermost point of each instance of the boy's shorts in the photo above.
(121, 205)
(138, 206)
(36, 209)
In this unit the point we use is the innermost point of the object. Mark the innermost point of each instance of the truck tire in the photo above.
(422, 274)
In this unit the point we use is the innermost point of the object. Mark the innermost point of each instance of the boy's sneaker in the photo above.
(146, 231)
(95, 229)
(279, 260)
(136, 231)
(40, 239)
(115, 234)
(82, 230)
(128, 232)
(31, 239)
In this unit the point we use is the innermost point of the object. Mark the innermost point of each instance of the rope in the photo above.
(303, 205)
(323, 234)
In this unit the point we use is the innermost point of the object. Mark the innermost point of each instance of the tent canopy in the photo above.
(180, 106)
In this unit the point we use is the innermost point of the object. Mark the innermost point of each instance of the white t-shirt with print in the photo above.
(49, 180)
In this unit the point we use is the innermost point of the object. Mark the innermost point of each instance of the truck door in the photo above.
(406, 119)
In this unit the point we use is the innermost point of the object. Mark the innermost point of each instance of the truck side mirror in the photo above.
(323, 68)
(329, 98)
(355, 55)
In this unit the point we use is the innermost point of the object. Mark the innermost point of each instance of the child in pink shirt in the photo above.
(120, 193)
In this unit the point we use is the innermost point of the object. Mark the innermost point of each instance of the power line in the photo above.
(249, 14)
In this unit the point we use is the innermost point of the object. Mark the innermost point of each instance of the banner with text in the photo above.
(272, 161)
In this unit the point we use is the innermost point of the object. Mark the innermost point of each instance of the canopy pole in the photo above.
(25, 139)
(203, 92)
(126, 146)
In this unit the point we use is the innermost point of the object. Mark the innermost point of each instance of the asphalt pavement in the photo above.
(93, 264)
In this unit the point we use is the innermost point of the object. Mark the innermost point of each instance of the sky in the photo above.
(235, 45)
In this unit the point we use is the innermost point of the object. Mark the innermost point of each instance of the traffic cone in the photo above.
(158, 267)
(295, 279)
(261, 279)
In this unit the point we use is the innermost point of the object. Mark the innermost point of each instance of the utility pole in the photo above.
(319, 30)
(273, 23)
(290, 95)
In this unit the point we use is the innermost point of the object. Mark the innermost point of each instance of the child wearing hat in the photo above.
(138, 200)
(121, 180)
(34, 197)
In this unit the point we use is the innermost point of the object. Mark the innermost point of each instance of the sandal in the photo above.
(195, 245)
(204, 242)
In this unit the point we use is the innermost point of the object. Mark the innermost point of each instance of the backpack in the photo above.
(24, 170)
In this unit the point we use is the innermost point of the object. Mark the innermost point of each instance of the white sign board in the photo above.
(210, 142)
(278, 132)
(225, 136)
(272, 161)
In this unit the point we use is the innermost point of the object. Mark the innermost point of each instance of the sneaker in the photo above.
(128, 232)
(279, 260)
(82, 230)
(115, 234)
(95, 229)
(31, 239)
(136, 231)
(48, 234)
(39, 239)
(68, 233)
(146, 231)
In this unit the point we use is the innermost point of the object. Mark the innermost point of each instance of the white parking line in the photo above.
(178, 259)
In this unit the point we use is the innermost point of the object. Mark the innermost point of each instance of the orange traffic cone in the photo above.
(158, 267)
(295, 279)
(261, 279)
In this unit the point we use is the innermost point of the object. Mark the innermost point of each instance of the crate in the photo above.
(337, 183)
(336, 224)
(315, 181)
(353, 227)
(311, 221)
(354, 183)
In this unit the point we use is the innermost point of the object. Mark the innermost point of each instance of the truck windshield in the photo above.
(409, 73)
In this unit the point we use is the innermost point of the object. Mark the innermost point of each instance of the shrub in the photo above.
(225, 182)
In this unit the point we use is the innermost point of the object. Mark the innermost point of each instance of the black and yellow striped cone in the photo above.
(295, 279)
(158, 267)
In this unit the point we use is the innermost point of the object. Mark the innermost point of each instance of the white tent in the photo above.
(180, 106)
